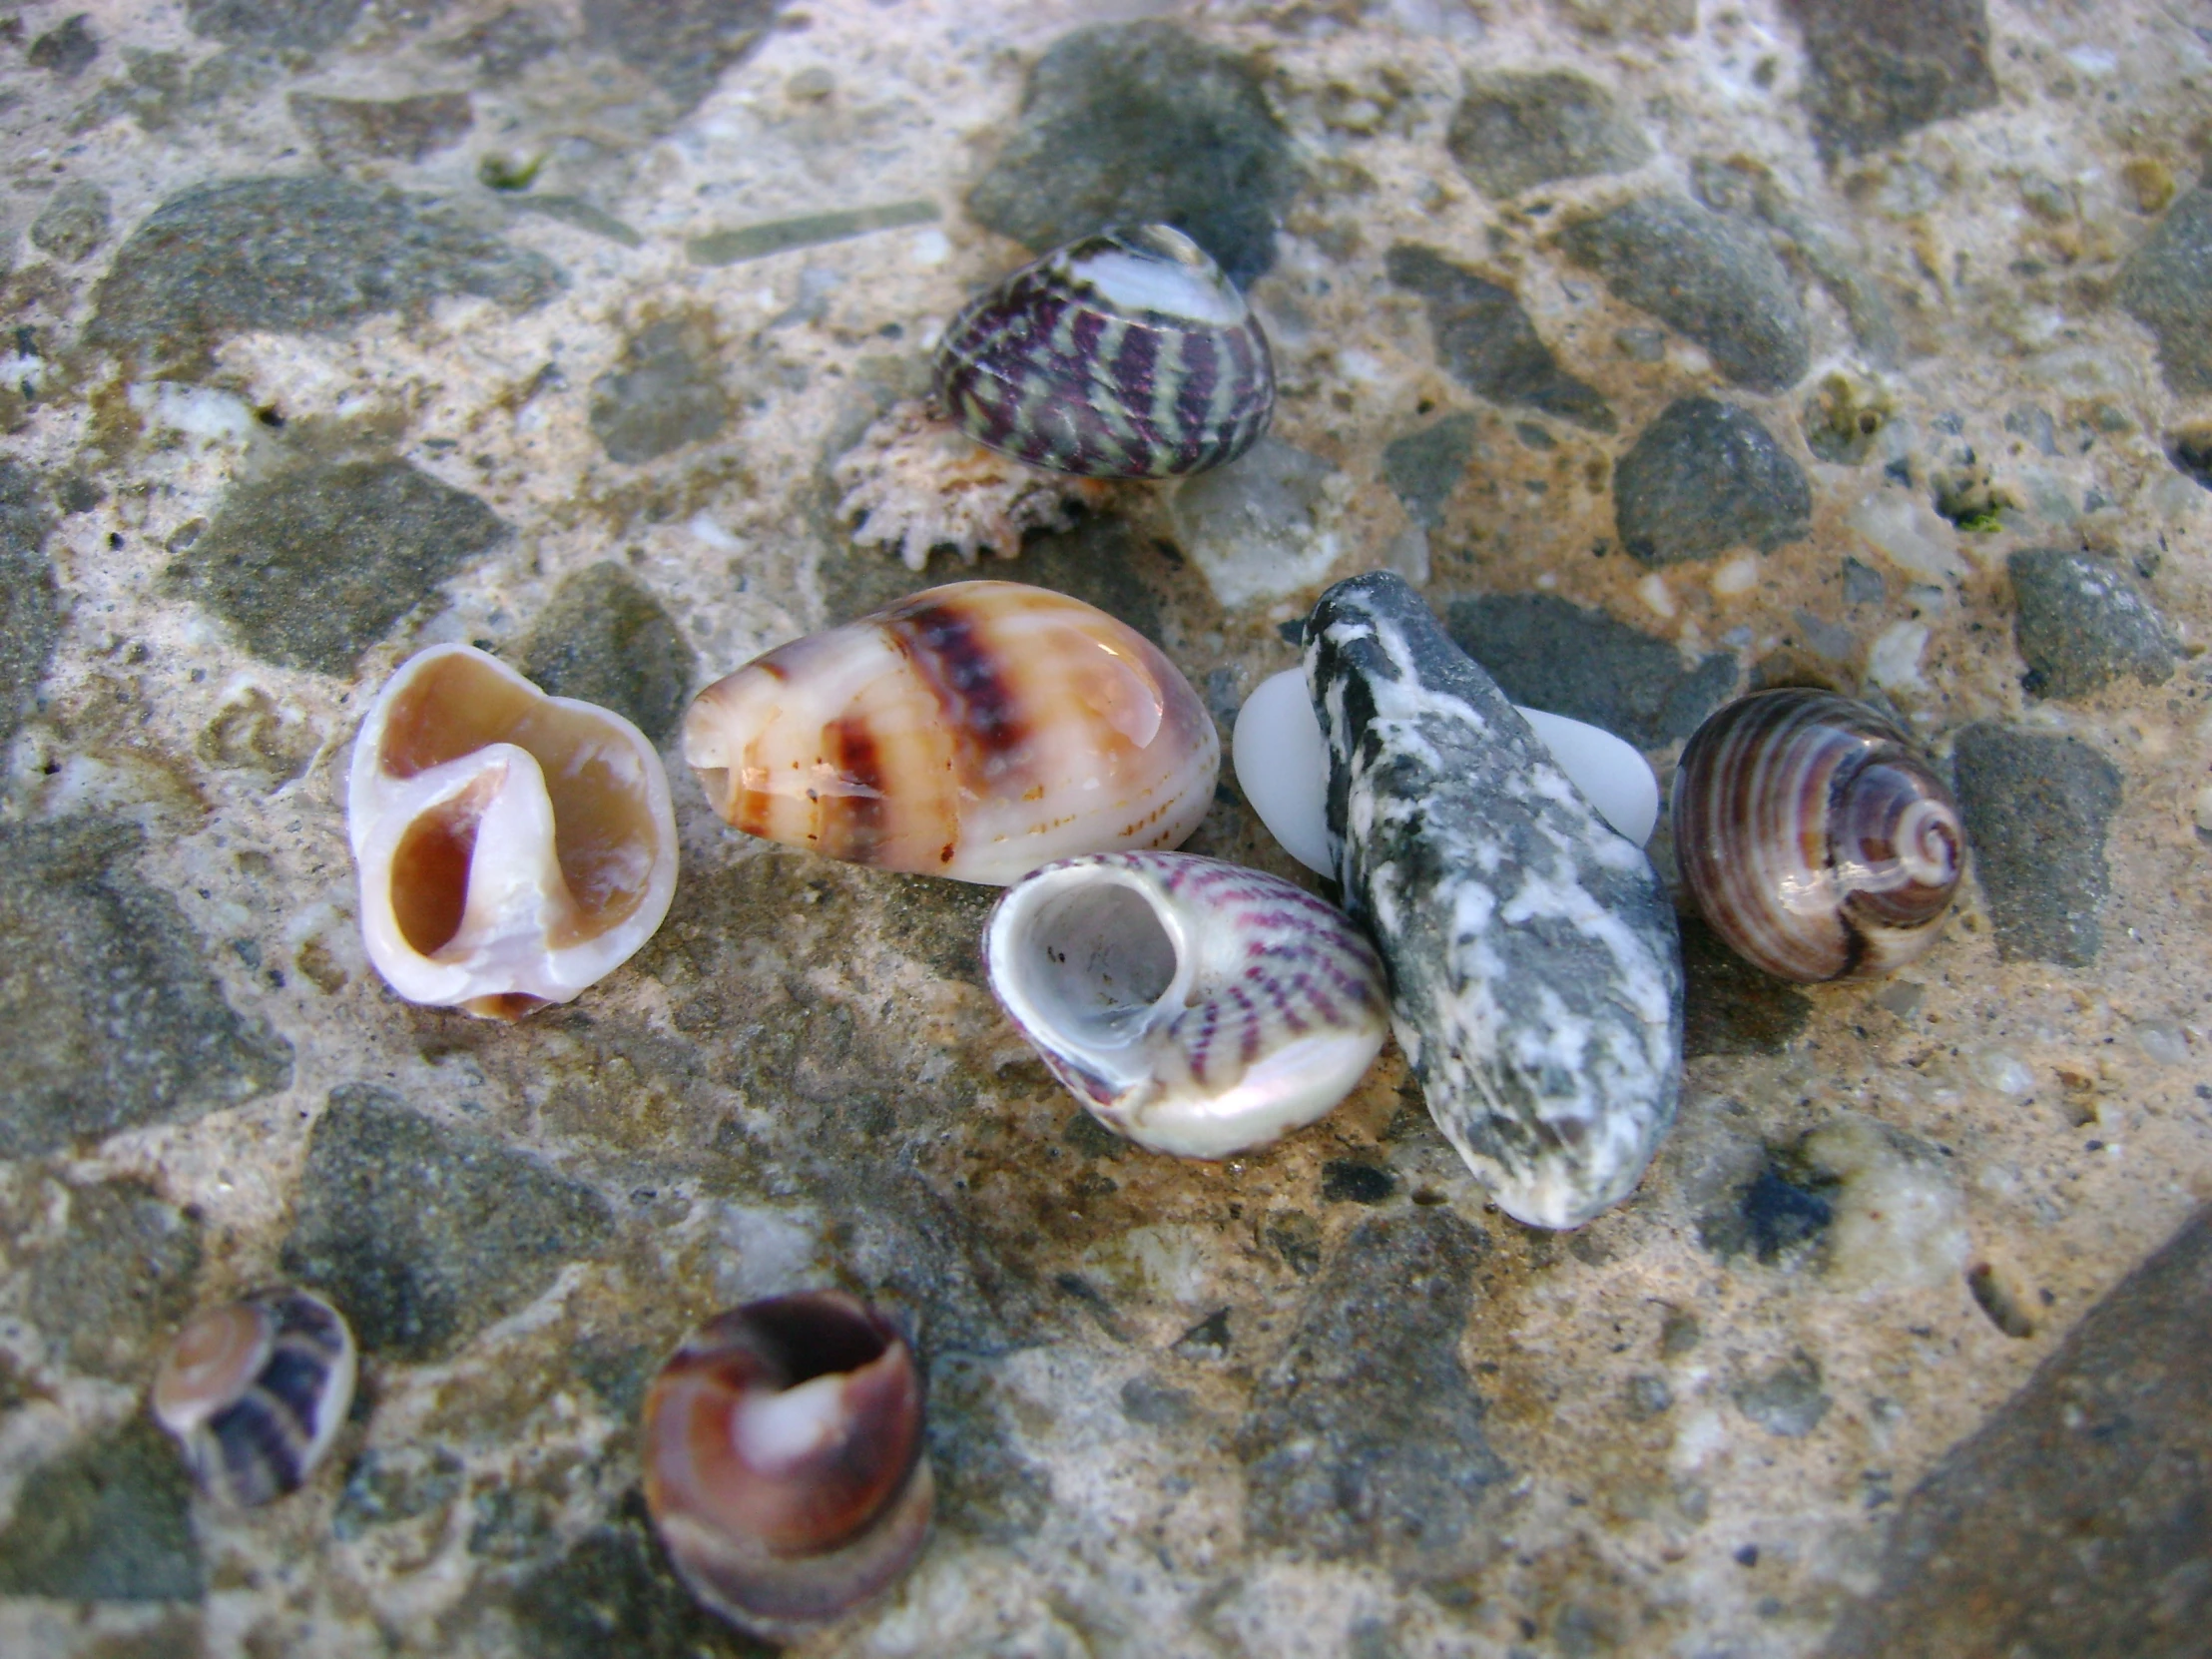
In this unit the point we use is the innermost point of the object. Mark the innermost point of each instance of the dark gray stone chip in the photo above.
(1422, 469)
(112, 1015)
(604, 639)
(1729, 1006)
(1486, 342)
(1714, 279)
(110, 1520)
(2166, 285)
(682, 46)
(1786, 1401)
(1513, 131)
(305, 25)
(370, 129)
(30, 608)
(2037, 808)
(1880, 72)
(612, 1594)
(67, 50)
(1125, 124)
(425, 1233)
(665, 395)
(1704, 477)
(2083, 622)
(119, 1278)
(314, 567)
(74, 221)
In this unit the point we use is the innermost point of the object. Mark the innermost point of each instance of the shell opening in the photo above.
(429, 869)
(1101, 960)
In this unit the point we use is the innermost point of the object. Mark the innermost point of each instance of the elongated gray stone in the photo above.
(1536, 968)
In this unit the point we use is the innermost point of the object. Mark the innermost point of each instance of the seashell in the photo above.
(1814, 837)
(1126, 355)
(1535, 966)
(975, 731)
(514, 848)
(254, 1391)
(1194, 1007)
(784, 1462)
(1281, 764)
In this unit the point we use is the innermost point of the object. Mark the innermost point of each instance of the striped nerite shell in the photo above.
(1125, 356)
(1192, 1005)
(1814, 837)
(976, 730)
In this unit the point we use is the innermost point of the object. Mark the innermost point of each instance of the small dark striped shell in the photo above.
(255, 1391)
(1125, 356)
(1814, 837)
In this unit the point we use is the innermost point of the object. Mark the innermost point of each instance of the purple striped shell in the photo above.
(1192, 1005)
(1814, 837)
(1125, 356)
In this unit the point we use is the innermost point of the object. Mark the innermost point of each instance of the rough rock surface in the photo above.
(2038, 807)
(73, 222)
(664, 396)
(1705, 477)
(1536, 980)
(1425, 467)
(29, 606)
(683, 45)
(367, 129)
(110, 1520)
(1713, 277)
(1513, 131)
(121, 1279)
(306, 25)
(1881, 72)
(2083, 622)
(2167, 285)
(1487, 343)
(604, 639)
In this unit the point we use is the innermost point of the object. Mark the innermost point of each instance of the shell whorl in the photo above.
(1192, 1005)
(1126, 355)
(1814, 837)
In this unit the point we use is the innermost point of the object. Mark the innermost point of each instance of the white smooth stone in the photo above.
(1282, 766)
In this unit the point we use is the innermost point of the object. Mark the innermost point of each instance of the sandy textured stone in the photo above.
(2083, 622)
(74, 221)
(684, 45)
(1879, 73)
(2166, 287)
(1425, 467)
(665, 394)
(309, 25)
(120, 1279)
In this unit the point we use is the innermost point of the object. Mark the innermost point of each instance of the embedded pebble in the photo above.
(604, 639)
(664, 394)
(1876, 77)
(2038, 807)
(1899, 1218)
(30, 618)
(74, 221)
(2083, 622)
(2167, 286)
(1513, 131)
(1487, 342)
(1704, 477)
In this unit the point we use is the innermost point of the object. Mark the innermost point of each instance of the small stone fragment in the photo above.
(1899, 1220)
(1704, 477)
(30, 610)
(1486, 342)
(1774, 1216)
(73, 222)
(2083, 622)
(66, 50)
(1551, 654)
(507, 43)
(1513, 131)
(1143, 123)
(425, 1233)
(113, 1017)
(1880, 72)
(661, 399)
(314, 567)
(1263, 526)
(1349, 1458)
(1355, 1181)
(307, 25)
(2190, 449)
(108, 1520)
(604, 639)
(2166, 285)
(346, 130)
(682, 46)
(1425, 467)
(1537, 981)
(1714, 278)
(1786, 1401)
(2037, 808)
(120, 1277)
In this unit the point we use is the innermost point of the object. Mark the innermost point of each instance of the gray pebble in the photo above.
(74, 221)
(2037, 808)
(107, 1520)
(1486, 342)
(1863, 584)
(682, 46)
(307, 25)
(1877, 74)
(2166, 285)
(346, 130)
(118, 1279)
(1704, 477)
(1714, 278)
(1422, 469)
(604, 639)
(2083, 622)
(1786, 1401)
(665, 395)
(1513, 131)
(67, 50)
(30, 608)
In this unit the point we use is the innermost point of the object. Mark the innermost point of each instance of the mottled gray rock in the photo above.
(293, 255)
(986, 1488)
(1704, 477)
(1143, 121)
(1772, 1215)
(1549, 653)
(2190, 450)
(507, 43)
(2167, 286)
(1355, 1181)
(392, 1484)
(112, 1015)
(67, 50)
(665, 394)
(1513, 131)
(1880, 72)
(119, 1278)
(604, 639)
(370, 129)
(1486, 342)
(1345, 1457)
(306, 25)
(1729, 1006)
(684, 46)
(108, 1520)
(73, 222)
(425, 1233)
(1536, 980)
(314, 567)
(2037, 808)
(30, 610)
(2074, 1521)
(1714, 278)
(1786, 1401)
(1425, 467)
(612, 1594)
(2083, 622)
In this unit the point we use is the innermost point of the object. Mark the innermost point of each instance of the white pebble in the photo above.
(1737, 575)
(1652, 590)
(1894, 663)
(1911, 534)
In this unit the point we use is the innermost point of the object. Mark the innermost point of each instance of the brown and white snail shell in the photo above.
(783, 1460)
(1814, 837)
(254, 1391)
(975, 731)
(1126, 355)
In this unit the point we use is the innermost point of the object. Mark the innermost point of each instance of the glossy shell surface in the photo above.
(1125, 356)
(254, 1391)
(1191, 1005)
(784, 1462)
(1814, 837)
(975, 731)
(513, 847)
